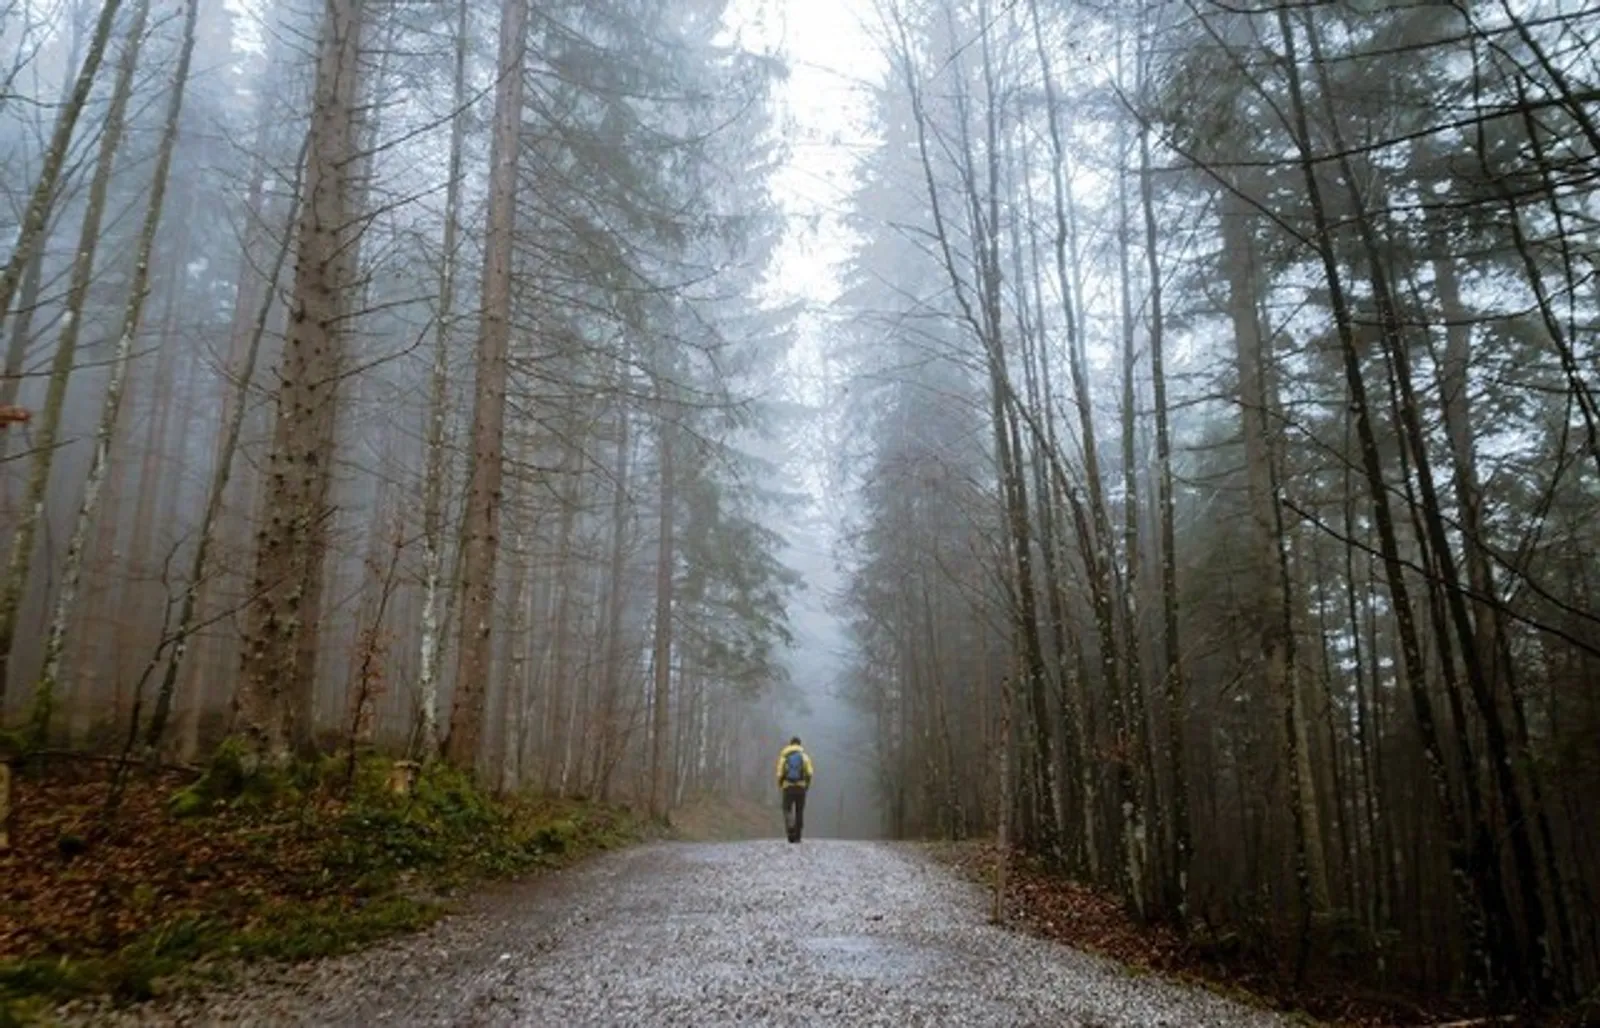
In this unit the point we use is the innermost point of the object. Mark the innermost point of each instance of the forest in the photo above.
(1203, 428)
(392, 378)
(1223, 429)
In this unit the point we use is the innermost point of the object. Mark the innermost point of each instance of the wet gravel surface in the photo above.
(754, 933)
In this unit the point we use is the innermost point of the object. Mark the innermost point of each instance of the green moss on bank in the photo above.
(241, 865)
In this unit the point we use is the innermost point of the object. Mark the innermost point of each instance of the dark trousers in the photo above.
(794, 811)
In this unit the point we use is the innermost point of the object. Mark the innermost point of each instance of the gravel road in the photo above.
(755, 933)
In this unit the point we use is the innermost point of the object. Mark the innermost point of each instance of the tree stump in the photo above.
(403, 777)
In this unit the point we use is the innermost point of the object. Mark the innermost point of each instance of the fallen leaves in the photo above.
(1054, 907)
(62, 893)
(86, 906)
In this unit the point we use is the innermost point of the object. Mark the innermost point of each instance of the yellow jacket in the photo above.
(804, 756)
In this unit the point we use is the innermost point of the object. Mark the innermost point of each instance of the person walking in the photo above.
(794, 778)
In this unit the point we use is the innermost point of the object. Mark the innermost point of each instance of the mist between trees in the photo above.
(1222, 417)
(1210, 398)
(392, 375)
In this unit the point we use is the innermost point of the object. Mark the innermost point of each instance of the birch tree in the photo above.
(37, 216)
(429, 651)
(61, 367)
(44, 697)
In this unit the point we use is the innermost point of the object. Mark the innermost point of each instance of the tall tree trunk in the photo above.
(1043, 786)
(37, 217)
(92, 675)
(1094, 529)
(429, 651)
(561, 625)
(1524, 861)
(32, 281)
(1076, 715)
(1488, 613)
(982, 310)
(1175, 684)
(481, 521)
(516, 693)
(44, 696)
(1132, 621)
(1477, 880)
(287, 572)
(242, 373)
(321, 578)
(1273, 606)
(615, 650)
(49, 422)
(661, 652)
(1380, 825)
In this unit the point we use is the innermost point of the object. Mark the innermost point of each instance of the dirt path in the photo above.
(757, 933)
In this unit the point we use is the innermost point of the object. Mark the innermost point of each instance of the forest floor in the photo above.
(702, 935)
(213, 898)
(710, 819)
(196, 874)
(1050, 906)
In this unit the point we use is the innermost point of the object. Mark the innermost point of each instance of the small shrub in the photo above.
(187, 803)
(233, 778)
(556, 836)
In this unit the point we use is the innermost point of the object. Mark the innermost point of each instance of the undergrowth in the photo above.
(242, 866)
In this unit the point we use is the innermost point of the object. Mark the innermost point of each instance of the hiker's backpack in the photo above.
(794, 768)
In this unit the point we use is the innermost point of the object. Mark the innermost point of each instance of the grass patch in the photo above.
(201, 872)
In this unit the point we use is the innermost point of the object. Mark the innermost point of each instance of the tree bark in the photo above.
(480, 541)
(49, 421)
(221, 474)
(66, 601)
(661, 651)
(1477, 881)
(1273, 607)
(37, 217)
(1175, 684)
(288, 569)
(1132, 557)
(611, 672)
(429, 651)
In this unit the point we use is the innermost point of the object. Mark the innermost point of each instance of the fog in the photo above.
(1163, 436)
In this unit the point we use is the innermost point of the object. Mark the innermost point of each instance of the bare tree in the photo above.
(49, 421)
(37, 217)
(481, 520)
(44, 698)
(294, 520)
(429, 655)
